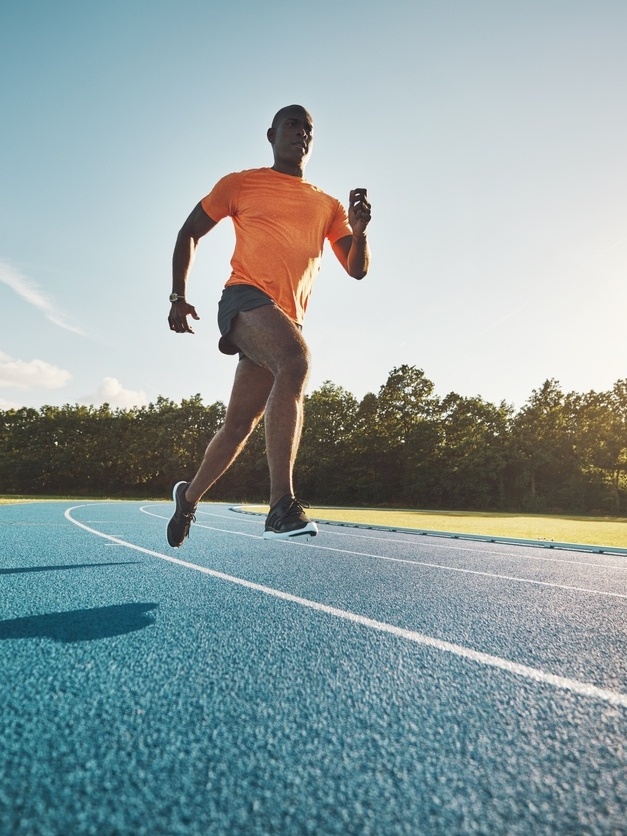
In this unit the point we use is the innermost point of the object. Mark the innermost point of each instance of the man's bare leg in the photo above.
(271, 378)
(246, 407)
(251, 388)
(270, 339)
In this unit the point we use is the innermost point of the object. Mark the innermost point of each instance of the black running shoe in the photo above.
(288, 519)
(184, 515)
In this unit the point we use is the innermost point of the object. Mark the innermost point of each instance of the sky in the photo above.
(490, 135)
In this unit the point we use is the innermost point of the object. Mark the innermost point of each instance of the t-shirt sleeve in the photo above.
(220, 202)
(339, 227)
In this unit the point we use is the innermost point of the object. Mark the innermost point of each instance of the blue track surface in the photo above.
(363, 682)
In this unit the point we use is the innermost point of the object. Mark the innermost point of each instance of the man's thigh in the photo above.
(269, 338)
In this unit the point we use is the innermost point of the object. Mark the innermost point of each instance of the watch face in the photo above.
(173, 297)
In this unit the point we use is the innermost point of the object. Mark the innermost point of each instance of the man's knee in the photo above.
(236, 429)
(295, 365)
(271, 340)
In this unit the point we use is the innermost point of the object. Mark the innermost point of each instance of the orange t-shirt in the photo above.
(281, 223)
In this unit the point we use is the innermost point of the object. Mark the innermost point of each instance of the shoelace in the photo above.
(298, 504)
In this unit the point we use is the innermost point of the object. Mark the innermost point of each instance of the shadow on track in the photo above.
(80, 625)
(21, 569)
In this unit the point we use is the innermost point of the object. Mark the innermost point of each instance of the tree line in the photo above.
(404, 446)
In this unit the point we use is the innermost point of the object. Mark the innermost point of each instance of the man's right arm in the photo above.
(197, 224)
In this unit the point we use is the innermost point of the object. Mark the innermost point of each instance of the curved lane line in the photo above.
(443, 546)
(472, 572)
(574, 686)
(493, 575)
(492, 553)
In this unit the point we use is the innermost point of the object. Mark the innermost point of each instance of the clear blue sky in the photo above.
(491, 137)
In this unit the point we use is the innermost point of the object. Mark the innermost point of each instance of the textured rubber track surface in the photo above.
(361, 682)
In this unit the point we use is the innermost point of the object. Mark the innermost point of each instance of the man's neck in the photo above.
(293, 171)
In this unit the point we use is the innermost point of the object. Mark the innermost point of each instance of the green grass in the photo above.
(4, 500)
(591, 531)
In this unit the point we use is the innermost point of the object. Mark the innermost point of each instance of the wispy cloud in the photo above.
(30, 292)
(6, 405)
(602, 252)
(19, 374)
(112, 392)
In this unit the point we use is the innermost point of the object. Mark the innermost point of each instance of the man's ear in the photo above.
(271, 135)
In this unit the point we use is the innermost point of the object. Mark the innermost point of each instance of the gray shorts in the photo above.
(236, 298)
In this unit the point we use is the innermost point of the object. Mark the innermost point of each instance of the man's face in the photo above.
(291, 136)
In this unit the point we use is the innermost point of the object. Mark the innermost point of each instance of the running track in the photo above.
(363, 682)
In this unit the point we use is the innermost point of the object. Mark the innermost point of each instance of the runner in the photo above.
(281, 222)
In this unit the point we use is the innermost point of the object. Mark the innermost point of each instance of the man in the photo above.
(281, 222)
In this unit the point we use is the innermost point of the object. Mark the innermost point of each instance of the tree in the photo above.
(473, 452)
(403, 446)
(368, 455)
(21, 451)
(326, 469)
(549, 476)
(407, 435)
(601, 441)
(165, 442)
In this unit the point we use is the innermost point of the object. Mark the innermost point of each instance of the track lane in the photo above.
(301, 719)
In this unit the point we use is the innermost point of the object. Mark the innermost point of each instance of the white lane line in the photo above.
(409, 542)
(200, 525)
(442, 567)
(574, 686)
(491, 553)
(496, 575)
(205, 512)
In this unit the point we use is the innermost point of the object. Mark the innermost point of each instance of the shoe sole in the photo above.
(311, 529)
(167, 533)
(176, 487)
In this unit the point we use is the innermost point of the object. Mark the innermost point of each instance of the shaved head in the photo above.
(281, 114)
(291, 138)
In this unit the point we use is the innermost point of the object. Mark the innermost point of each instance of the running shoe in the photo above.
(288, 519)
(184, 515)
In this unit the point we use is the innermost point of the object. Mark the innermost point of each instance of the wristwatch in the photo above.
(174, 297)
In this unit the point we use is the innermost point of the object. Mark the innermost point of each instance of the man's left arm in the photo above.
(353, 251)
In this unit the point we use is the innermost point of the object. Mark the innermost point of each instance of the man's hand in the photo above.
(358, 211)
(352, 251)
(177, 319)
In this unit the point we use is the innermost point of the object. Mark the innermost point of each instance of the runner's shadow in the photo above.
(80, 625)
(18, 570)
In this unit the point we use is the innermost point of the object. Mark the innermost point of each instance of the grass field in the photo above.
(594, 531)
